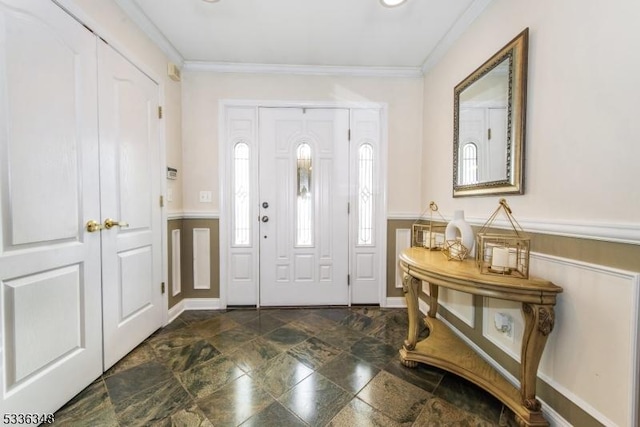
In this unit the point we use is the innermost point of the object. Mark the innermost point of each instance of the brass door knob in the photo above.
(110, 223)
(93, 225)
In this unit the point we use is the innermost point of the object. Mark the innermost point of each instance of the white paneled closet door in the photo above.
(130, 196)
(51, 316)
(79, 145)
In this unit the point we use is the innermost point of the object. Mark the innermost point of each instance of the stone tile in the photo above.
(313, 324)
(236, 402)
(314, 352)
(286, 337)
(153, 404)
(210, 327)
(89, 408)
(438, 412)
(315, 400)
(468, 397)
(424, 376)
(274, 415)
(373, 351)
(340, 336)
(124, 385)
(180, 359)
(290, 314)
(264, 324)
(397, 399)
(372, 312)
(349, 372)
(173, 336)
(335, 314)
(359, 414)
(139, 355)
(394, 336)
(192, 316)
(185, 417)
(242, 315)
(280, 374)
(254, 354)
(360, 323)
(233, 338)
(210, 376)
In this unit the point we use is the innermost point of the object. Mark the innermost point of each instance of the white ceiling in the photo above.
(358, 34)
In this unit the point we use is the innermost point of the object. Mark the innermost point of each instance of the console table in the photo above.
(444, 349)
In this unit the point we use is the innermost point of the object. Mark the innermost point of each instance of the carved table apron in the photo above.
(446, 350)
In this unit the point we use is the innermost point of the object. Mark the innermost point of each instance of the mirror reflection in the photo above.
(489, 124)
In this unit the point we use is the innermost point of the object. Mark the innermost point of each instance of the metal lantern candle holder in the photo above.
(429, 234)
(503, 253)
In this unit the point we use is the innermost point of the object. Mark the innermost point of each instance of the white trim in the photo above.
(457, 29)
(175, 311)
(628, 233)
(194, 304)
(136, 14)
(309, 70)
(200, 215)
(401, 216)
(396, 302)
(174, 215)
(555, 419)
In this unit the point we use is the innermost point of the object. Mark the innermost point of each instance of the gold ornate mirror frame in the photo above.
(489, 123)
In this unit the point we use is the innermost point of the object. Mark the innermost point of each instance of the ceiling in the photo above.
(345, 34)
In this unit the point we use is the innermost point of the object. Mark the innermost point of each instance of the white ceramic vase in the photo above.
(466, 232)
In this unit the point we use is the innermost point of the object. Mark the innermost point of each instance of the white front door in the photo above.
(51, 317)
(130, 195)
(304, 196)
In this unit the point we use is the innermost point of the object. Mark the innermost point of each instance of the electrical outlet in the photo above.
(205, 196)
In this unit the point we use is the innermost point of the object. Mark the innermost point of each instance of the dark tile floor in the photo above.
(279, 367)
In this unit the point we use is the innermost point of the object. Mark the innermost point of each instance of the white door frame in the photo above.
(227, 137)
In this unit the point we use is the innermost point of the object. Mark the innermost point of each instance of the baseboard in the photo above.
(555, 419)
(396, 302)
(193, 304)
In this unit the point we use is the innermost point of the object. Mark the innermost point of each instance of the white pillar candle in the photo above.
(500, 259)
(513, 258)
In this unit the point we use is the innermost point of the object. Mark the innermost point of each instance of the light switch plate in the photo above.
(205, 196)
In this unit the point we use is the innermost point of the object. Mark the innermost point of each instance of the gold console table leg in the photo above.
(410, 287)
(539, 321)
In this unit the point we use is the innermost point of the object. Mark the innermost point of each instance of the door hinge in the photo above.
(159, 111)
(349, 135)
(348, 280)
(348, 208)
(162, 287)
(489, 133)
(162, 201)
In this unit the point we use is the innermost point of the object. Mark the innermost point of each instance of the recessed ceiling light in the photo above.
(392, 3)
(211, 1)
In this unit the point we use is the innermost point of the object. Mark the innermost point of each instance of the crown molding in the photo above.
(457, 29)
(313, 70)
(133, 11)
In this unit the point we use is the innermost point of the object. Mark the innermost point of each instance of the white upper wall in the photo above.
(202, 92)
(583, 128)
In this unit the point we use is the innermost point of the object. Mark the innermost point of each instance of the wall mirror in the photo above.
(489, 124)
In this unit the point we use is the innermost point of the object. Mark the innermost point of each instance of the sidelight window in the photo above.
(365, 195)
(241, 189)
